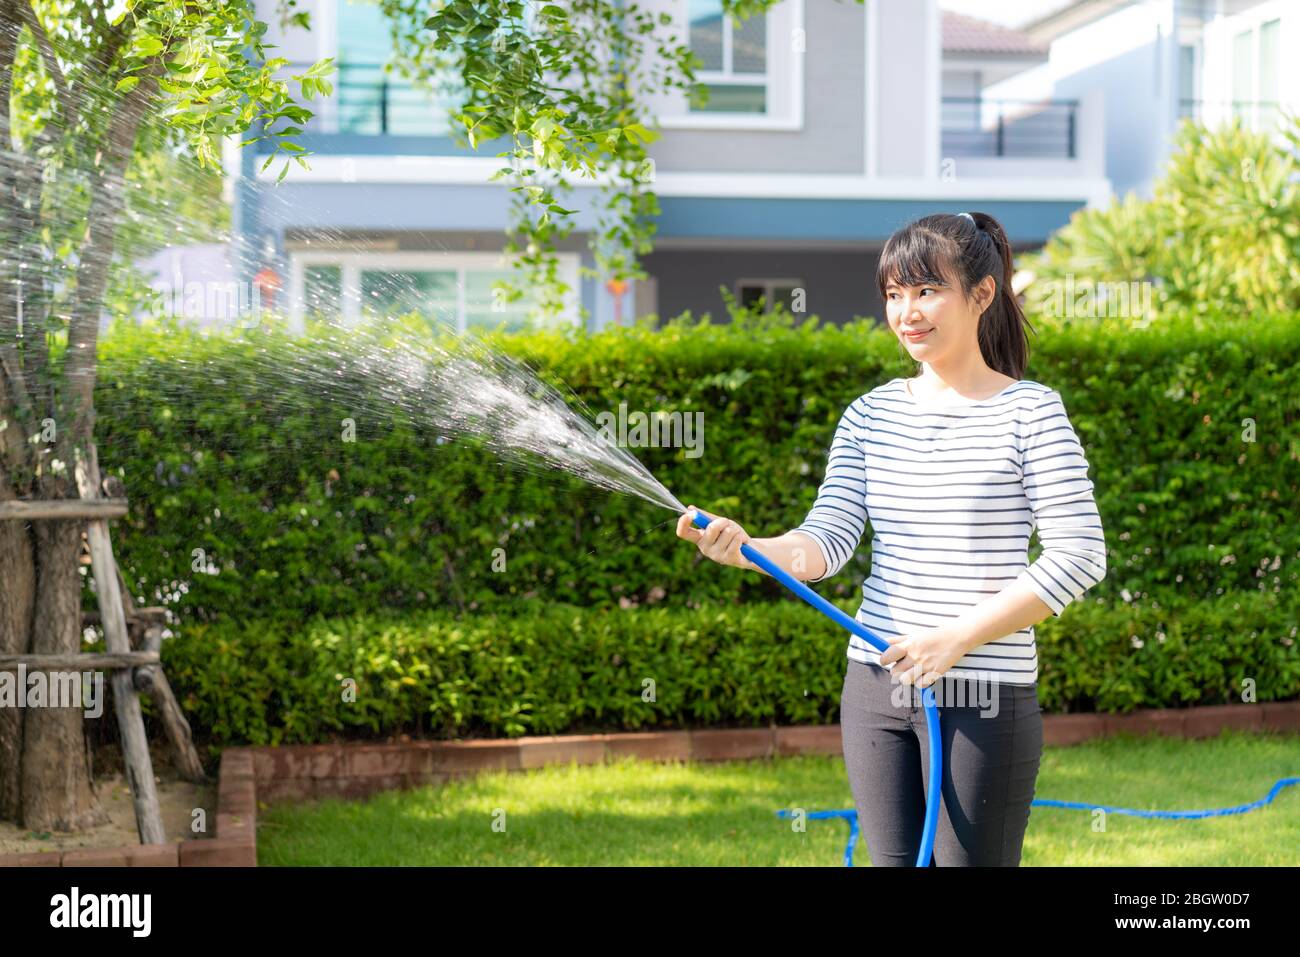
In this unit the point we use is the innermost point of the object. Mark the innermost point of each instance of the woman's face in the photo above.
(936, 321)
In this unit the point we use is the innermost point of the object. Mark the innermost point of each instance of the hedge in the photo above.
(547, 668)
(246, 502)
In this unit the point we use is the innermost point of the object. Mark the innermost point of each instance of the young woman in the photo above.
(954, 468)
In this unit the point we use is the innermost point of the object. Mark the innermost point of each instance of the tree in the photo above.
(85, 89)
(565, 85)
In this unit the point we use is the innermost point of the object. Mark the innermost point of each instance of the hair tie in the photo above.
(970, 217)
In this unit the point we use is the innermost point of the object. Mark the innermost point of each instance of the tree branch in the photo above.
(107, 198)
(66, 105)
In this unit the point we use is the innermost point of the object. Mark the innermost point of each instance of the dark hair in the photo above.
(970, 247)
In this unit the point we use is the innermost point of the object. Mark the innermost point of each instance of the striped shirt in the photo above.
(953, 491)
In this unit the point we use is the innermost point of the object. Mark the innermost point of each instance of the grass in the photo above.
(633, 812)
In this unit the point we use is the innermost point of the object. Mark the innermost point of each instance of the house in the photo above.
(828, 126)
(1156, 62)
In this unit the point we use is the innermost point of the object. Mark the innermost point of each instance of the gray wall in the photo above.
(839, 283)
(834, 94)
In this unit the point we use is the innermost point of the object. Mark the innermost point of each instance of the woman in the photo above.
(954, 468)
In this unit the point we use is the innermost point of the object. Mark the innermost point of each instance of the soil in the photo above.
(177, 799)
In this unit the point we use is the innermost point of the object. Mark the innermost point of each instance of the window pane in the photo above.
(368, 100)
(1269, 34)
(784, 294)
(322, 291)
(1243, 68)
(753, 295)
(706, 32)
(483, 310)
(727, 98)
(749, 45)
(390, 292)
(1186, 80)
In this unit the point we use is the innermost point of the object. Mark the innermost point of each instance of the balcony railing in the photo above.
(1039, 129)
(369, 101)
(1254, 114)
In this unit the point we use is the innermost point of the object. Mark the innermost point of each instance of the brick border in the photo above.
(354, 770)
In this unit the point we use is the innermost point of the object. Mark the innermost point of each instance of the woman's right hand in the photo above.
(720, 542)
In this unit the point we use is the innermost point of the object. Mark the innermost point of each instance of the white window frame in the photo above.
(1197, 47)
(769, 286)
(353, 262)
(1218, 49)
(784, 78)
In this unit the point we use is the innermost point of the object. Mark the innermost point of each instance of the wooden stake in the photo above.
(130, 720)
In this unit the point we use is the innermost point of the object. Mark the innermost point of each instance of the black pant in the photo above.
(990, 763)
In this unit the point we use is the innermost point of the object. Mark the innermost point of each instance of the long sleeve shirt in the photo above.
(953, 492)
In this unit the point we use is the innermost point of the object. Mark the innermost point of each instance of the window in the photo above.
(1255, 75)
(767, 292)
(367, 99)
(1187, 80)
(1269, 37)
(750, 72)
(1243, 73)
(450, 289)
(734, 55)
(396, 292)
(322, 291)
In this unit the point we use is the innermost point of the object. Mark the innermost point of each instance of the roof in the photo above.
(968, 35)
(1070, 16)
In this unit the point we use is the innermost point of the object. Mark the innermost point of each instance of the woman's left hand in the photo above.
(922, 658)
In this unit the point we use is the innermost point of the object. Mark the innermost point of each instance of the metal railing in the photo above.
(368, 100)
(1255, 114)
(979, 126)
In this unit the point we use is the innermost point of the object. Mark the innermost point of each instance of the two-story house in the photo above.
(1155, 62)
(829, 125)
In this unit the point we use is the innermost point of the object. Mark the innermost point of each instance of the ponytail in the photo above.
(1003, 341)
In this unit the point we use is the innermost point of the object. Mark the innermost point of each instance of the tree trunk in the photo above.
(55, 791)
(17, 597)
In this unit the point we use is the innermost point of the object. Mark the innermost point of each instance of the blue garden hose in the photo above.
(851, 816)
(852, 624)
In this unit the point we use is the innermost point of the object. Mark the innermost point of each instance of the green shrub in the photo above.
(1220, 233)
(233, 447)
(546, 669)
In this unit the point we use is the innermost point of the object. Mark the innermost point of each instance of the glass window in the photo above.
(733, 72)
(1187, 80)
(322, 285)
(724, 98)
(369, 100)
(1243, 69)
(392, 292)
(766, 293)
(707, 23)
(749, 46)
(484, 309)
(783, 293)
(1269, 37)
(456, 297)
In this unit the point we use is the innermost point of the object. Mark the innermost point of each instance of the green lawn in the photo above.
(644, 813)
